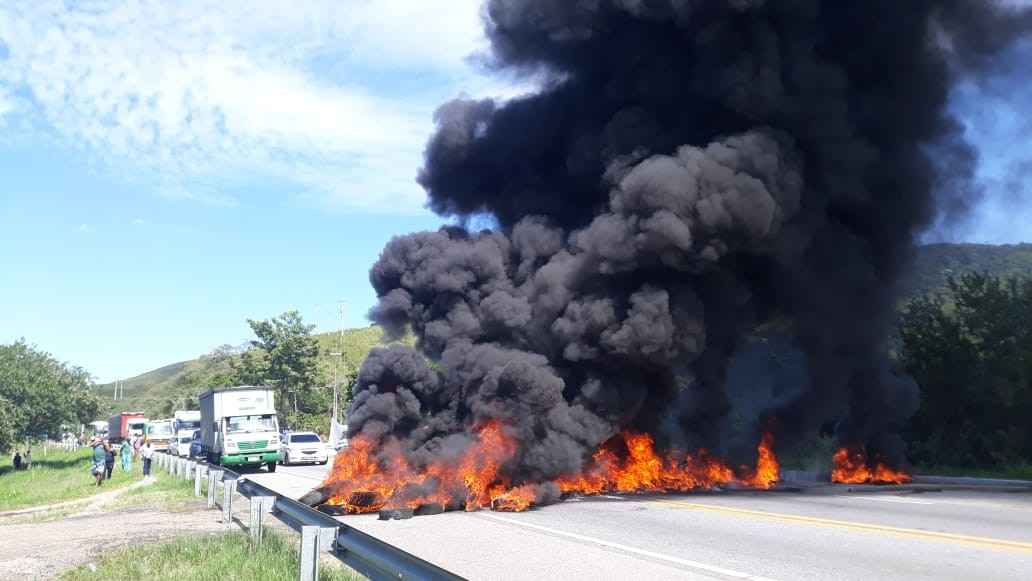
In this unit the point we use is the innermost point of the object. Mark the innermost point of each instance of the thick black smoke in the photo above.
(691, 170)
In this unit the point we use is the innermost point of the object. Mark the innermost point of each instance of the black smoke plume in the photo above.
(690, 170)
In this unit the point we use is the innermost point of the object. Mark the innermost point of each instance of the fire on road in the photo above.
(821, 533)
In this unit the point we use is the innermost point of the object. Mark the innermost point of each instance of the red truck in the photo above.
(126, 425)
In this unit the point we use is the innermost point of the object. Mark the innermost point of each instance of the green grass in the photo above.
(1017, 471)
(221, 557)
(166, 493)
(56, 477)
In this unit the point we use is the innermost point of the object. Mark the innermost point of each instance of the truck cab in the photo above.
(239, 426)
(184, 424)
(159, 434)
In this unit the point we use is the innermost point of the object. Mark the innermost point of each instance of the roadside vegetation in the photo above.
(56, 477)
(224, 556)
(969, 348)
(40, 396)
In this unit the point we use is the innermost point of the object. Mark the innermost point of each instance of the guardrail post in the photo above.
(188, 473)
(197, 480)
(212, 475)
(260, 506)
(228, 488)
(309, 557)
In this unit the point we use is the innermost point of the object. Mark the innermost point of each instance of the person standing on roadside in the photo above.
(109, 459)
(98, 460)
(126, 452)
(148, 453)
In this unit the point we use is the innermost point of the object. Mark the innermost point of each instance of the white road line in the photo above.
(610, 496)
(650, 554)
(889, 499)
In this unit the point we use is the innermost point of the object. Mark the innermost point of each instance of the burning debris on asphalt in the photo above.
(688, 172)
(852, 466)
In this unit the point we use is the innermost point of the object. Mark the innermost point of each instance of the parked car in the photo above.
(196, 444)
(296, 447)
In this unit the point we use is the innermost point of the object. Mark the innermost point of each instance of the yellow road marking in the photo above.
(916, 533)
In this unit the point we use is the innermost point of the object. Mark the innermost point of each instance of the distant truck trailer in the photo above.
(239, 426)
(126, 425)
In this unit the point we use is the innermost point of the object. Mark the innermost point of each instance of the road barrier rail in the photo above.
(320, 532)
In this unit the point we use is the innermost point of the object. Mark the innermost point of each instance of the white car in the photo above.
(297, 447)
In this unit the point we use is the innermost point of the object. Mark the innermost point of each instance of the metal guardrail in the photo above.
(320, 532)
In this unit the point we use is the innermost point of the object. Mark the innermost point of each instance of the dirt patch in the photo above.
(44, 550)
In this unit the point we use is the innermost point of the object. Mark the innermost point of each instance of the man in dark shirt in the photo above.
(17, 460)
(109, 459)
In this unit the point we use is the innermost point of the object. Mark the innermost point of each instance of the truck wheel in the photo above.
(271, 466)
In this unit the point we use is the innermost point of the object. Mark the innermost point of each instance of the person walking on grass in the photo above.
(109, 459)
(17, 460)
(28, 459)
(148, 453)
(98, 460)
(126, 452)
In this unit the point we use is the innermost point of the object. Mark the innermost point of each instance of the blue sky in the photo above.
(170, 169)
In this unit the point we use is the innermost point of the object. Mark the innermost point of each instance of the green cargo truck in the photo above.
(239, 426)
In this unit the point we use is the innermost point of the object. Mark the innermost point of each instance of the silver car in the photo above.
(298, 447)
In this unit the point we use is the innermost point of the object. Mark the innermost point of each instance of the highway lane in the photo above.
(822, 533)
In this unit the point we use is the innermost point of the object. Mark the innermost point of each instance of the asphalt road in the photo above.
(821, 533)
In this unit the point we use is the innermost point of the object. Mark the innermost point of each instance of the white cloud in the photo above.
(138, 221)
(199, 97)
(85, 228)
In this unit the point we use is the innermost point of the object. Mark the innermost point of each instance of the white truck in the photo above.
(159, 434)
(184, 423)
(239, 426)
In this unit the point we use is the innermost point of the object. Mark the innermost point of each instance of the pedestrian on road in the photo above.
(109, 459)
(148, 453)
(98, 460)
(137, 444)
(17, 460)
(126, 451)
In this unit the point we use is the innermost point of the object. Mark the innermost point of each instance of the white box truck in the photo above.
(239, 426)
(183, 424)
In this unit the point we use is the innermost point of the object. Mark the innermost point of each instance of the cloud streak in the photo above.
(196, 99)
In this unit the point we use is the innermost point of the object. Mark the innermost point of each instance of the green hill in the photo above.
(159, 390)
(935, 262)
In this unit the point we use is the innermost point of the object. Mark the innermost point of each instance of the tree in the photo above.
(40, 395)
(290, 354)
(970, 350)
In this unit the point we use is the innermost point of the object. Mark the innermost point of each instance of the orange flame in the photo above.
(474, 480)
(851, 467)
(768, 470)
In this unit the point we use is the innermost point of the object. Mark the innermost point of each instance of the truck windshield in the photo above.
(248, 424)
(184, 425)
(160, 430)
(304, 438)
